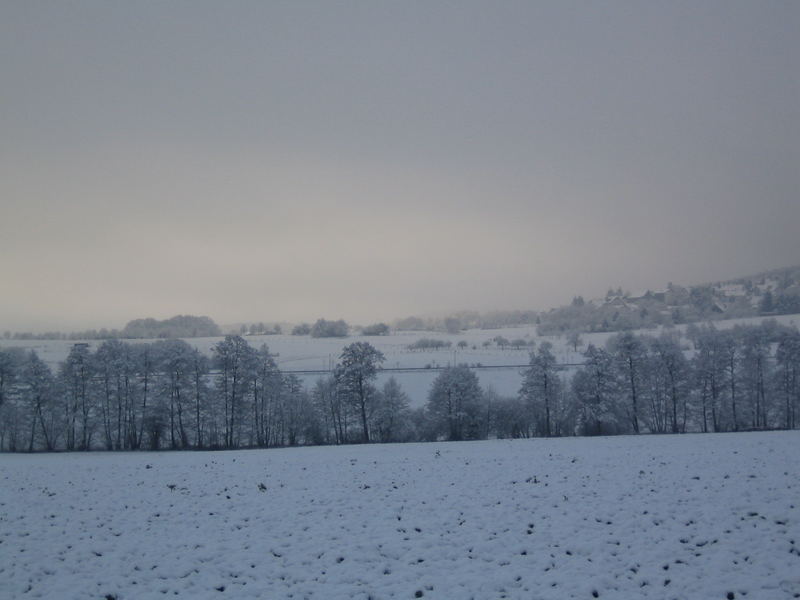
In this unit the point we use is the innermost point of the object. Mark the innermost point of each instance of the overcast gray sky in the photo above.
(371, 160)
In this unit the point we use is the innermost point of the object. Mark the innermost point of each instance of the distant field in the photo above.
(692, 516)
(304, 352)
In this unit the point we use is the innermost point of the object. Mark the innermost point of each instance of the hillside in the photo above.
(766, 294)
(771, 293)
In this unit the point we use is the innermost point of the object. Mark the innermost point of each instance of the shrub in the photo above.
(376, 329)
(323, 328)
(302, 329)
(429, 344)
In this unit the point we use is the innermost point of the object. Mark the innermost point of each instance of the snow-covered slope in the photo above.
(694, 516)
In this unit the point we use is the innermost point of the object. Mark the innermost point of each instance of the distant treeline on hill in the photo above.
(468, 320)
(323, 329)
(180, 326)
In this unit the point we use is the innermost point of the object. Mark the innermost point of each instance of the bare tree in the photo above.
(37, 381)
(629, 354)
(233, 357)
(391, 411)
(788, 359)
(541, 389)
(454, 404)
(358, 365)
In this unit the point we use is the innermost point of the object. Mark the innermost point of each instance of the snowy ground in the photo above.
(693, 516)
(304, 352)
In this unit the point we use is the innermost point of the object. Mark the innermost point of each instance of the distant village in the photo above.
(768, 294)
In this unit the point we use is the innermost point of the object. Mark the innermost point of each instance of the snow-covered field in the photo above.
(693, 516)
(303, 352)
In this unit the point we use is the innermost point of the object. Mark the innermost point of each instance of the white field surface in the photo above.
(305, 353)
(692, 516)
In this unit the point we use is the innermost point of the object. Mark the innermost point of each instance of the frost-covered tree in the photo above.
(391, 413)
(755, 354)
(501, 341)
(574, 339)
(37, 394)
(670, 369)
(542, 389)
(454, 404)
(332, 408)
(11, 362)
(510, 417)
(357, 367)
(176, 362)
(630, 354)
(323, 328)
(301, 329)
(114, 364)
(266, 385)
(787, 356)
(595, 393)
(708, 366)
(732, 353)
(295, 409)
(376, 329)
(201, 394)
(75, 377)
(234, 359)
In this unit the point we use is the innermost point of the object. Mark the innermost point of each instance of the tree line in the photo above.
(744, 378)
(179, 326)
(168, 395)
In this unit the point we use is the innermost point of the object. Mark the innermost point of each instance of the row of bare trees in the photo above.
(167, 395)
(744, 378)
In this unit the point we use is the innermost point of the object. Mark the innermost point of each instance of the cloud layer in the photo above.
(287, 161)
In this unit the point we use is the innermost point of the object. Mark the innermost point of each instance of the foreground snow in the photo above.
(696, 516)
